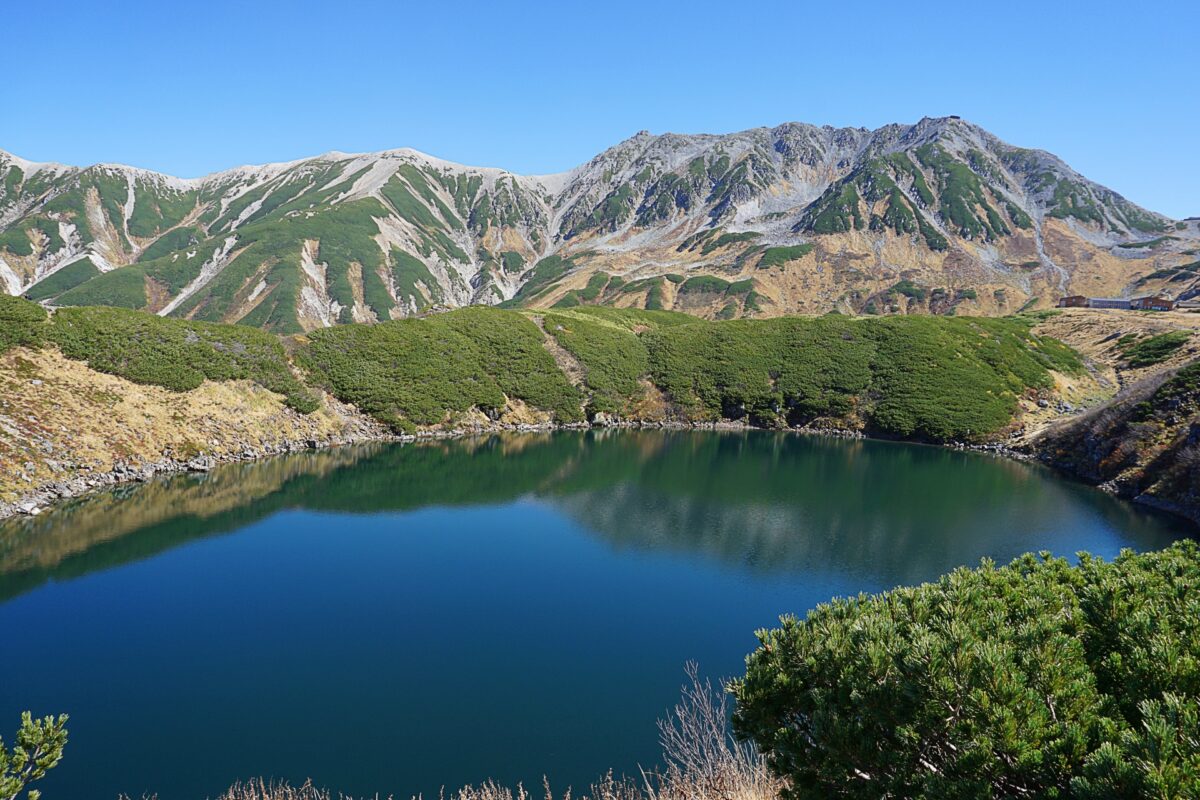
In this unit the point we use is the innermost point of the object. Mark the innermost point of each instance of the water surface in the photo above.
(397, 618)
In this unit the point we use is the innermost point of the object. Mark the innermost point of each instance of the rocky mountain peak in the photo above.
(805, 217)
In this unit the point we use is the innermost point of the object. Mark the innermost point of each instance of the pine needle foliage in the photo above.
(1035, 679)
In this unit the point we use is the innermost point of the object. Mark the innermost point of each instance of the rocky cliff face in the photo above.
(930, 217)
(1144, 445)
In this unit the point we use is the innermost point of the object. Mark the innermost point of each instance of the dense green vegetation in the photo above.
(778, 256)
(410, 274)
(18, 241)
(920, 377)
(712, 239)
(513, 262)
(710, 284)
(1152, 349)
(125, 287)
(1178, 395)
(169, 242)
(543, 274)
(156, 211)
(1036, 679)
(909, 289)
(726, 239)
(911, 377)
(175, 354)
(614, 358)
(416, 371)
(22, 323)
(878, 180)
(596, 286)
(63, 279)
(635, 320)
(962, 202)
(835, 211)
(1071, 199)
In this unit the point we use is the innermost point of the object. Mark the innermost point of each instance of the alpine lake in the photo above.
(402, 618)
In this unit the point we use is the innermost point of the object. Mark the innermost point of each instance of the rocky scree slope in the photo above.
(1144, 446)
(1143, 443)
(933, 217)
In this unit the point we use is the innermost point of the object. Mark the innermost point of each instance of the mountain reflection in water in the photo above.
(754, 500)
(541, 592)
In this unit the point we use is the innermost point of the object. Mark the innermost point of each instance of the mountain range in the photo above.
(935, 217)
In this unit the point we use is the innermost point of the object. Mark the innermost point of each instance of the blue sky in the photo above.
(189, 88)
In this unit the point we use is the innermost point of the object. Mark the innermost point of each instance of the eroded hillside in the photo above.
(1143, 441)
(937, 217)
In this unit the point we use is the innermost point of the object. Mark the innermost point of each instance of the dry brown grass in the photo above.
(702, 761)
(58, 417)
(261, 790)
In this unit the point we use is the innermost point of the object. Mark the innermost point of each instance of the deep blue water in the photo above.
(396, 619)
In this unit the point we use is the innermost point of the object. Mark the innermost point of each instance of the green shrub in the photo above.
(568, 300)
(704, 284)
(22, 323)
(729, 310)
(908, 289)
(913, 377)
(124, 287)
(410, 274)
(543, 275)
(159, 208)
(512, 262)
(1153, 349)
(961, 194)
(834, 211)
(175, 354)
(937, 380)
(595, 286)
(767, 370)
(778, 256)
(726, 239)
(17, 239)
(415, 371)
(654, 297)
(1151, 243)
(170, 242)
(38, 748)
(16, 242)
(636, 319)
(614, 357)
(63, 279)
(1036, 679)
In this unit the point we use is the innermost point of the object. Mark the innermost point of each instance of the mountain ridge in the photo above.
(903, 218)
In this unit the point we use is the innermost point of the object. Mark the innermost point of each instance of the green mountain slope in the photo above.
(808, 219)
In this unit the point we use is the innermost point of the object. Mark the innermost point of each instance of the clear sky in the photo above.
(188, 88)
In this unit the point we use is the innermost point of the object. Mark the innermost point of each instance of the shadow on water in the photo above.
(752, 500)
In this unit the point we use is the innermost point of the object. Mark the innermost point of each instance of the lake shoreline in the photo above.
(400, 568)
(50, 494)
